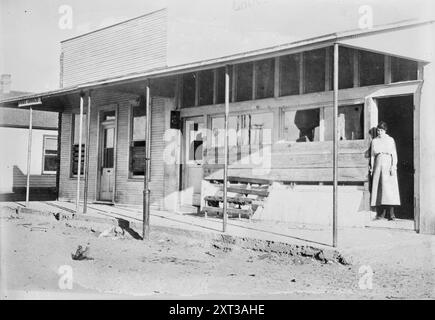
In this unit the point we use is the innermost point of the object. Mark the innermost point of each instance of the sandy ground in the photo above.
(177, 265)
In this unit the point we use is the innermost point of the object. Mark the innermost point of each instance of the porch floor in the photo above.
(379, 233)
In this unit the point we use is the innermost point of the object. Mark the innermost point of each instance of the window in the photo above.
(206, 83)
(220, 95)
(189, 89)
(49, 161)
(137, 140)
(264, 78)
(371, 68)
(403, 69)
(289, 67)
(350, 122)
(251, 130)
(75, 144)
(314, 71)
(244, 81)
(301, 125)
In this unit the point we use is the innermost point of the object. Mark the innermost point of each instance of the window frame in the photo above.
(282, 112)
(44, 137)
(131, 141)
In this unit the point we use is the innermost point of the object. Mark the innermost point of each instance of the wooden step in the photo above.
(237, 200)
(230, 211)
(254, 191)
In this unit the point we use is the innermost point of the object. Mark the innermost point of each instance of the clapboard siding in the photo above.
(133, 46)
(128, 190)
(13, 159)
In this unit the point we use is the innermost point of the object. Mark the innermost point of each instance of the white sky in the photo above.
(198, 29)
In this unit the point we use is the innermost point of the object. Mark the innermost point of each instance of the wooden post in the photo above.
(227, 109)
(88, 129)
(335, 147)
(79, 160)
(29, 156)
(146, 192)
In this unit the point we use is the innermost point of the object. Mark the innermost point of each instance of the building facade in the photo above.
(280, 123)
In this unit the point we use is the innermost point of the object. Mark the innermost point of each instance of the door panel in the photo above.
(107, 161)
(194, 139)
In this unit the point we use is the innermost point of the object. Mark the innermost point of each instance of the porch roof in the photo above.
(387, 39)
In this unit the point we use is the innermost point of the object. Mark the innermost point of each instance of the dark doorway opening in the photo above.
(398, 113)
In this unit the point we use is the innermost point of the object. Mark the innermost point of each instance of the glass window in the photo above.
(264, 78)
(253, 130)
(137, 141)
(244, 81)
(221, 84)
(301, 125)
(289, 67)
(314, 70)
(75, 144)
(403, 69)
(206, 83)
(189, 89)
(371, 68)
(50, 154)
(350, 122)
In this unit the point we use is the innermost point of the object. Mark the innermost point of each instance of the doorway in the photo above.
(107, 156)
(398, 113)
(194, 137)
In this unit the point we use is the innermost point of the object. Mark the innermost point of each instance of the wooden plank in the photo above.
(359, 174)
(237, 200)
(231, 211)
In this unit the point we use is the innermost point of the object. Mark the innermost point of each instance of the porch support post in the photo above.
(79, 160)
(227, 111)
(335, 148)
(87, 145)
(29, 156)
(146, 192)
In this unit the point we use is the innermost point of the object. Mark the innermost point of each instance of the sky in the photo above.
(30, 31)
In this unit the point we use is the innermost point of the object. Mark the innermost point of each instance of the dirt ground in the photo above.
(35, 250)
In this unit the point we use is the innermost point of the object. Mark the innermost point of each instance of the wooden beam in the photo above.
(79, 160)
(87, 148)
(29, 156)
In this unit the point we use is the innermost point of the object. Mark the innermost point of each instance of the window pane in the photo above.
(50, 144)
(261, 129)
(139, 123)
(350, 122)
(345, 68)
(264, 78)
(371, 68)
(77, 128)
(206, 82)
(244, 81)
(50, 163)
(403, 69)
(301, 125)
(289, 74)
(314, 71)
(189, 84)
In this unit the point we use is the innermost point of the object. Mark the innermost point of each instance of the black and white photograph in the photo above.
(219, 150)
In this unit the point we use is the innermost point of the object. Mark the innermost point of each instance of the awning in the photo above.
(416, 42)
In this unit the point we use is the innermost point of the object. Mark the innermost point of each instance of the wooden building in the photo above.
(14, 132)
(280, 123)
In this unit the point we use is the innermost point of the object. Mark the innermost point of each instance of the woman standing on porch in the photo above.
(383, 168)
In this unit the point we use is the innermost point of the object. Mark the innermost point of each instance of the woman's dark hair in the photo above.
(382, 125)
